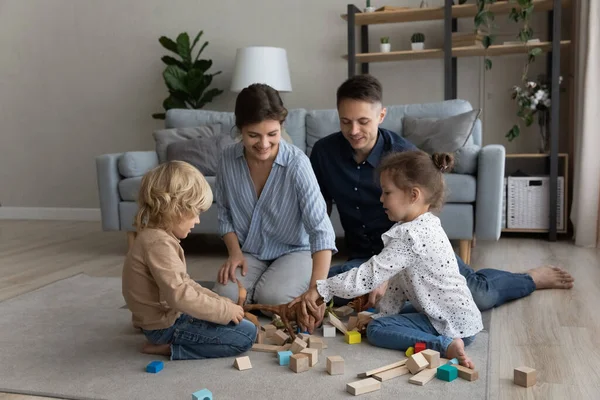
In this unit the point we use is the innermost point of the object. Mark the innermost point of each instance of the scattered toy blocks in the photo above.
(352, 323)
(419, 347)
(335, 365)
(432, 357)
(299, 362)
(242, 363)
(316, 343)
(352, 337)
(284, 357)
(298, 345)
(363, 386)
(447, 373)
(343, 311)
(416, 363)
(155, 367)
(280, 337)
(423, 377)
(203, 394)
(313, 356)
(329, 330)
(410, 351)
(467, 374)
(260, 337)
(270, 330)
(525, 376)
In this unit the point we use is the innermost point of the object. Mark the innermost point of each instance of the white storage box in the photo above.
(528, 203)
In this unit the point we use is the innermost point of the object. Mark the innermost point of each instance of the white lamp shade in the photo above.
(259, 64)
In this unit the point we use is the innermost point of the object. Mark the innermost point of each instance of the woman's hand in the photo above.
(227, 270)
(308, 302)
(376, 295)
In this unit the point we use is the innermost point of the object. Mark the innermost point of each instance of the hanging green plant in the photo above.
(484, 25)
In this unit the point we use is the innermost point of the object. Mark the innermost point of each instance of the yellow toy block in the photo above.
(410, 351)
(353, 337)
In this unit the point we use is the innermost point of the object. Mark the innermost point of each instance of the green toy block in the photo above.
(447, 373)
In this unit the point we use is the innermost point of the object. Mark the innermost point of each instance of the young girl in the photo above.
(419, 263)
(180, 318)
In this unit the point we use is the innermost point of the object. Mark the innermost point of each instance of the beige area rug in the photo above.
(72, 339)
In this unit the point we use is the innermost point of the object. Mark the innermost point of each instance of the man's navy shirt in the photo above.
(355, 189)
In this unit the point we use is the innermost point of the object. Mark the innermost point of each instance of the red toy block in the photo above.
(419, 347)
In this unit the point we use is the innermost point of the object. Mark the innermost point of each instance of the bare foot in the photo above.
(157, 349)
(549, 277)
(457, 350)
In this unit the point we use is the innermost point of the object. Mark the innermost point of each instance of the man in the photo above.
(345, 165)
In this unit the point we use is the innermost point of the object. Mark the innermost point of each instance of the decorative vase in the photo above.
(417, 46)
(369, 9)
(385, 47)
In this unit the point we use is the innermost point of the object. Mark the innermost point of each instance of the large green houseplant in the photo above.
(186, 78)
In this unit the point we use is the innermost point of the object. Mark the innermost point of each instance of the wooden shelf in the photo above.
(509, 230)
(436, 13)
(467, 51)
(532, 155)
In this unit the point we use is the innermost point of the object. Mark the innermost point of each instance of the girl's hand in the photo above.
(227, 270)
(376, 295)
(237, 314)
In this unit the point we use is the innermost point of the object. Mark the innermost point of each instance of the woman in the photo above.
(272, 215)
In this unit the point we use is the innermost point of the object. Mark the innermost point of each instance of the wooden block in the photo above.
(242, 363)
(363, 386)
(391, 373)
(423, 377)
(352, 322)
(382, 369)
(260, 337)
(286, 346)
(299, 362)
(270, 330)
(416, 363)
(280, 337)
(266, 348)
(525, 376)
(298, 345)
(329, 330)
(313, 356)
(447, 373)
(352, 337)
(333, 320)
(303, 336)
(316, 343)
(467, 374)
(335, 365)
(343, 311)
(432, 357)
(419, 347)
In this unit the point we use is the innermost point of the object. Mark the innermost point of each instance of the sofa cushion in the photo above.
(202, 152)
(436, 135)
(136, 163)
(460, 188)
(165, 137)
(129, 188)
(466, 159)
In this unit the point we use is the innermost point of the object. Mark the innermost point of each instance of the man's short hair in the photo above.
(363, 87)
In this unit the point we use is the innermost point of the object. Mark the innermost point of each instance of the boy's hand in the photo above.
(238, 314)
(227, 270)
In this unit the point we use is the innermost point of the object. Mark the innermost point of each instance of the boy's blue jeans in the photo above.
(193, 338)
(489, 287)
(400, 331)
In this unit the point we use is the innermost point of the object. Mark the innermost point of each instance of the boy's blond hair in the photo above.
(169, 192)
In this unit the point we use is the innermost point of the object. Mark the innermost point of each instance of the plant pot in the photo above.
(369, 9)
(385, 47)
(417, 46)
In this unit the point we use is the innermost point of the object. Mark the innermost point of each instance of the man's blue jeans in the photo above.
(400, 331)
(489, 287)
(193, 338)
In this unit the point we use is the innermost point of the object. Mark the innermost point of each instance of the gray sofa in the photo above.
(473, 206)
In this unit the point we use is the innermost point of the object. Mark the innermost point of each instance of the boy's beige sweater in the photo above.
(157, 288)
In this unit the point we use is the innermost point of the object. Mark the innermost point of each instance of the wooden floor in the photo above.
(553, 331)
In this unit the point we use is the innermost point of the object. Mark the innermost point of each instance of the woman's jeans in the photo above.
(191, 338)
(489, 287)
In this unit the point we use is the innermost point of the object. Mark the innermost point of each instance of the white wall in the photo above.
(79, 78)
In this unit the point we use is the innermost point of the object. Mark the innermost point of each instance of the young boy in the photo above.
(180, 318)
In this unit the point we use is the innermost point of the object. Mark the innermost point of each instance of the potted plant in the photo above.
(417, 41)
(385, 45)
(368, 8)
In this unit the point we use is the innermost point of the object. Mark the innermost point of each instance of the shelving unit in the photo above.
(449, 13)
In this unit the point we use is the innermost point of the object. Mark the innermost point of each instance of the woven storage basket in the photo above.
(528, 203)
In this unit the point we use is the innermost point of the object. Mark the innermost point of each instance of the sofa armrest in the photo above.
(490, 185)
(107, 172)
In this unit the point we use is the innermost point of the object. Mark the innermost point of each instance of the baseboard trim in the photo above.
(49, 213)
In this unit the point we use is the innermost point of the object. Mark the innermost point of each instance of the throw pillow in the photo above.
(202, 152)
(165, 137)
(435, 135)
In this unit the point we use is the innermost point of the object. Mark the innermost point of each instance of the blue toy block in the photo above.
(284, 357)
(447, 373)
(373, 310)
(203, 394)
(155, 367)
(453, 361)
(299, 331)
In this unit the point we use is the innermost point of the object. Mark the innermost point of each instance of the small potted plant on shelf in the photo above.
(369, 9)
(385, 45)
(417, 41)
